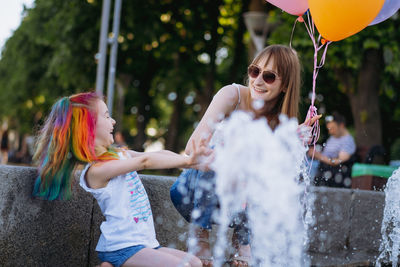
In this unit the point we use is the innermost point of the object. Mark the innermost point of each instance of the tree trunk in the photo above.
(144, 104)
(141, 118)
(362, 92)
(205, 95)
(363, 95)
(171, 142)
(122, 82)
(235, 75)
(257, 5)
(365, 101)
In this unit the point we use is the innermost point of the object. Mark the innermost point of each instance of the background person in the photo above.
(338, 150)
(5, 146)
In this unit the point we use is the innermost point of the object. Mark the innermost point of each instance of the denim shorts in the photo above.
(188, 193)
(119, 257)
(195, 190)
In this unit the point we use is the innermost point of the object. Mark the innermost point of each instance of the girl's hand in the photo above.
(202, 155)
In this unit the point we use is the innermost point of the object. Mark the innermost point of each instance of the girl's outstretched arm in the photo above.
(100, 173)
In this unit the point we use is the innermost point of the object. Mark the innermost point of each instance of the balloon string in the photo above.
(310, 27)
(312, 110)
(291, 35)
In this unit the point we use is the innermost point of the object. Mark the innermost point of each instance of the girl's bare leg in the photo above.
(105, 264)
(186, 257)
(163, 257)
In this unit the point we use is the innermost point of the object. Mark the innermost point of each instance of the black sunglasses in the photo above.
(268, 76)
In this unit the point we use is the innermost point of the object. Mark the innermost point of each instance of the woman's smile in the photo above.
(259, 90)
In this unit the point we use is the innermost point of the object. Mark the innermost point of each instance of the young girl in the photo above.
(273, 80)
(79, 131)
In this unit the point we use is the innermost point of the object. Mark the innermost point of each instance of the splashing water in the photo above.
(390, 229)
(259, 168)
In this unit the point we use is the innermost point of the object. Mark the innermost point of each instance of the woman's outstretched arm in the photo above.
(223, 103)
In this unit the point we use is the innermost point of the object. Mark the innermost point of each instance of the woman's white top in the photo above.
(125, 204)
(217, 135)
(238, 91)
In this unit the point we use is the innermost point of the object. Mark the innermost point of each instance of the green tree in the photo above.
(50, 55)
(166, 48)
(174, 55)
(182, 48)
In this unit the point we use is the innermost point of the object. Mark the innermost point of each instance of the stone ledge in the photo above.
(34, 232)
(351, 230)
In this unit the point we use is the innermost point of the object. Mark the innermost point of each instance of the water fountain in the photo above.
(260, 169)
(390, 229)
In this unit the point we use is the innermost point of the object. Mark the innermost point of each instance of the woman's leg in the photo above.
(205, 204)
(203, 249)
(195, 190)
(162, 257)
(182, 193)
(242, 256)
(241, 241)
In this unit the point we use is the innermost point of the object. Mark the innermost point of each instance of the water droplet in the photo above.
(172, 96)
(257, 104)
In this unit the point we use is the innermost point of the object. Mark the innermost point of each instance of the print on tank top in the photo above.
(138, 202)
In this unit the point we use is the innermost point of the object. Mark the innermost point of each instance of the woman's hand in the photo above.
(314, 153)
(305, 129)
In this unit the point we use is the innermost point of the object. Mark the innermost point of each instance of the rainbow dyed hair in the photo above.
(66, 140)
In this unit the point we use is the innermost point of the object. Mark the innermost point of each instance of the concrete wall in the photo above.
(35, 232)
(347, 226)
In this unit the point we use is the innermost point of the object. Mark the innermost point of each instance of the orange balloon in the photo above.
(338, 19)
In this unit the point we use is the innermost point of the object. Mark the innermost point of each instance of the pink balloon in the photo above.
(389, 8)
(294, 7)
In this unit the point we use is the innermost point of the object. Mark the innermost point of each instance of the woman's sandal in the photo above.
(206, 260)
(236, 257)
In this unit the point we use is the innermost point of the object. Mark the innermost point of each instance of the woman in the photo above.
(273, 80)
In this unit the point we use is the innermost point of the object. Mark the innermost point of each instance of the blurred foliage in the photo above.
(172, 57)
(395, 150)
